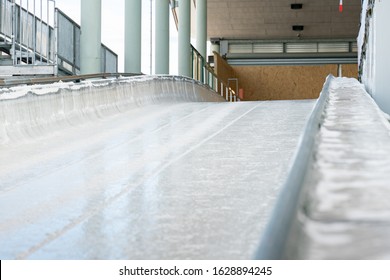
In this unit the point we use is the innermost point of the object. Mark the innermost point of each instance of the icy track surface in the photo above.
(140, 170)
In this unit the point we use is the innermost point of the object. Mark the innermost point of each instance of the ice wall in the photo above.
(334, 203)
(373, 44)
(344, 212)
(31, 111)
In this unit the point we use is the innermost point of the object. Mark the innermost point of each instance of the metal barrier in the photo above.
(69, 48)
(68, 44)
(5, 21)
(109, 60)
(41, 39)
(204, 73)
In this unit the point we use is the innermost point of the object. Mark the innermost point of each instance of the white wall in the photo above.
(376, 65)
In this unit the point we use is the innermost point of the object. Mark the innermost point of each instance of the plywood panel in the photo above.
(350, 70)
(286, 82)
(223, 70)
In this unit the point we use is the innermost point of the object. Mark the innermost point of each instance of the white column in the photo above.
(162, 37)
(201, 27)
(90, 38)
(184, 38)
(133, 10)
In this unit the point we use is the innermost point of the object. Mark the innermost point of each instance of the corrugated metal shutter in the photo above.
(268, 48)
(240, 48)
(301, 47)
(354, 47)
(333, 47)
(292, 47)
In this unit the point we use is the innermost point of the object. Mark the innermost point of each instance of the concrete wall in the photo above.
(286, 82)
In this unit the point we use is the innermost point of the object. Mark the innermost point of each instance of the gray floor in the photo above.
(166, 181)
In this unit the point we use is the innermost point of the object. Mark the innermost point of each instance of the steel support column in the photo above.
(201, 27)
(339, 70)
(133, 11)
(184, 38)
(90, 38)
(162, 37)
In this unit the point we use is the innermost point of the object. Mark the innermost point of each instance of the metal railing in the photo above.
(5, 21)
(26, 34)
(204, 73)
(69, 48)
(35, 33)
(48, 80)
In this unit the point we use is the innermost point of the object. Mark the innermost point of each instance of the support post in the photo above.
(55, 41)
(133, 11)
(339, 70)
(184, 38)
(201, 27)
(162, 37)
(90, 38)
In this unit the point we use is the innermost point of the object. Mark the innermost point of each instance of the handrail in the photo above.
(24, 32)
(204, 73)
(275, 236)
(52, 43)
(29, 38)
(49, 80)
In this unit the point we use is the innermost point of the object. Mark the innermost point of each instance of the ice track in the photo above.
(139, 168)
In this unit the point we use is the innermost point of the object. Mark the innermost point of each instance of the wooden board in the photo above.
(286, 82)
